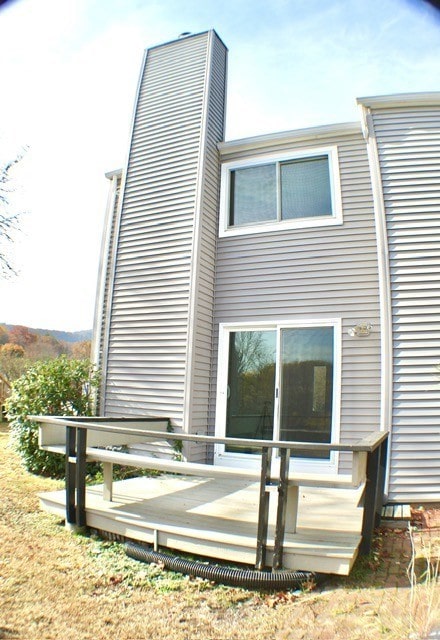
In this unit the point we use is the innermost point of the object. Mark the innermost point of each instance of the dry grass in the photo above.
(56, 585)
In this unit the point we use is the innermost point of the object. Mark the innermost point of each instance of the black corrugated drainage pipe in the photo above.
(246, 578)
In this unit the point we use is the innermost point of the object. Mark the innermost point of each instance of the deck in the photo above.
(218, 519)
(269, 519)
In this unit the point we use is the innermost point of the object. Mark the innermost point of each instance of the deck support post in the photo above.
(76, 444)
(374, 490)
(292, 508)
(263, 510)
(283, 492)
(81, 446)
(70, 475)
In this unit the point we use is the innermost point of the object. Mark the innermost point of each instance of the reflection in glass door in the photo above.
(251, 385)
(306, 385)
(280, 385)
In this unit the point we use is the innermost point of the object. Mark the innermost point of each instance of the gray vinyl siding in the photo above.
(204, 252)
(313, 273)
(408, 141)
(152, 288)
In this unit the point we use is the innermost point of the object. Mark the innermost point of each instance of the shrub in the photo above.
(55, 387)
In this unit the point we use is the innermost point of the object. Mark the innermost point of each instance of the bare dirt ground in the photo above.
(57, 585)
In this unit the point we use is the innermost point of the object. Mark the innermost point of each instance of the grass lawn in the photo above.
(57, 585)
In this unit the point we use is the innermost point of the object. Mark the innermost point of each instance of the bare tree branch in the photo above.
(9, 222)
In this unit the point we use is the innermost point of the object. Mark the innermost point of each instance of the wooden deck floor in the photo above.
(218, 519)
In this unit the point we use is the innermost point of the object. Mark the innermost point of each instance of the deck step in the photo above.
(396, 516)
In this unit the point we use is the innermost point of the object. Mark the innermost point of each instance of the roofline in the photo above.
(401, 100)
(184, 37)
(310, 133)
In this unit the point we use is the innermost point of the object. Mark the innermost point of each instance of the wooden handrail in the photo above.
(367, 444)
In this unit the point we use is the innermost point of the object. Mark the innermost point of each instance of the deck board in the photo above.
(218, 519)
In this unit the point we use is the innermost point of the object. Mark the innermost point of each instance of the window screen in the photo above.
(253, 195)
(305, 188)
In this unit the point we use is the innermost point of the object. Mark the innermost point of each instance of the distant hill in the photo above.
(65, 336)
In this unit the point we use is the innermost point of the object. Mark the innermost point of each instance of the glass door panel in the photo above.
(306, 386)
(251, 386)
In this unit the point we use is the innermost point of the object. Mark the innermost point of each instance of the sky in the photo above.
(69, 71)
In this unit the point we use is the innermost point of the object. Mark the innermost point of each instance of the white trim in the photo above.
(245, 460)
(187, 37)
(281, 225)
(313, 134)
(386, 319)
(424, 99)
(100, 334)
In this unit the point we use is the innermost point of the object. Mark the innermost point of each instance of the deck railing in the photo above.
(369, 463)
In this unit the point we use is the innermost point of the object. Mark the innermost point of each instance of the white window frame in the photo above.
(280, 225)
(242, 460)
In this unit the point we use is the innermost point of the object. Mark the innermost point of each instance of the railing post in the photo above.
(70, 475)
(280, 525)
(107, 473)
(81, 445)
(373, 499)
(263, 510)
(76, 444)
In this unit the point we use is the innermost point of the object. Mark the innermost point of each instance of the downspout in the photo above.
(386, 320)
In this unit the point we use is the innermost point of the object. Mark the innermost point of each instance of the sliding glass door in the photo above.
(279, 384)
(306, 385)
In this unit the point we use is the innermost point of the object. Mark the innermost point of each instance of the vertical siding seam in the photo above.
(196, 249)
(212, 382)
(386, 321)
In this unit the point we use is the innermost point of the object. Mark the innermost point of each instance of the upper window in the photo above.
(275, 192)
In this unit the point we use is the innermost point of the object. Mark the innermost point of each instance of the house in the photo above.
(273, 303)
(281, 286)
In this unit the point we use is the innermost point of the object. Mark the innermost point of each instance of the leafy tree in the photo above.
(82, 349)
(22, 335)
(12, 350)
(13, 362)
(46, 347)
(9, 222)
(4, 335)
(55, 387)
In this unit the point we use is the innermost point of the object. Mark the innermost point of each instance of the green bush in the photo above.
(59, 387)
